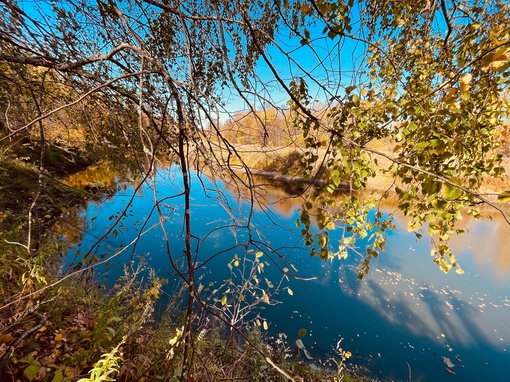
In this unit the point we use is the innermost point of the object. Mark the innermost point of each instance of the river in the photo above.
(406, 318)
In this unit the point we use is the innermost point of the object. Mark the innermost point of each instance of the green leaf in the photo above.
(504, 197)
(28, 359)
(302, 332)
(58, 377)
(452, 192)
(422, 145)
(31, 371)
(430, 187)
(224, 299)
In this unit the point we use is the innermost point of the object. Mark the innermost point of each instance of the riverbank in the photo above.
(285, 164)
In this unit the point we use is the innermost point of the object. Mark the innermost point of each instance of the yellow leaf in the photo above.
(465, 78)
(499, 61)
(264, 324)
(464, 82)
(504, 197)
(58, 337)
(450, 95)
(289, 291)
(413, 226)
(330, 225)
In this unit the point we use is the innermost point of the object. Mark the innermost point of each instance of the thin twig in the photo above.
(7, 355)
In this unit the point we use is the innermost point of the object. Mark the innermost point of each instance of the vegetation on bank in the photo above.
(290, 160)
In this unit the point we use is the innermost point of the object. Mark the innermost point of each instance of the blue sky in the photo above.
(310, 62)
(291, 60)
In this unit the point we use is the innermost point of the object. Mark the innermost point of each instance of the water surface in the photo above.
(405, 317)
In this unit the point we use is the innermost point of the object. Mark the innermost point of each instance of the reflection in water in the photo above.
(486, 241)
(405, 310)
(489, 243)
(269, 196)
(452, 313)
(71, 227)
(101, 174)
(440, 314)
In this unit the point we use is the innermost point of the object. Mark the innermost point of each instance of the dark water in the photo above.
(405, 317)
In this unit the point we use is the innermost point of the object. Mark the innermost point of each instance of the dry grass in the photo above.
(287, 160)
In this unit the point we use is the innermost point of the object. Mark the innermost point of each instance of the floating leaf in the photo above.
(224, 299)
(300, 344)
(302, 332)
(264, 325)
(289, 291)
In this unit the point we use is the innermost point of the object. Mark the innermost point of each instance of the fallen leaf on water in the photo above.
(448, 362)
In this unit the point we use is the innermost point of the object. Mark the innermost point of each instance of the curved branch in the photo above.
(81, 98)
(441, 178)
(7, 355)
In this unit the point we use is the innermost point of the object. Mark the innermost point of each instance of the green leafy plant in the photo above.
(106, 368)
